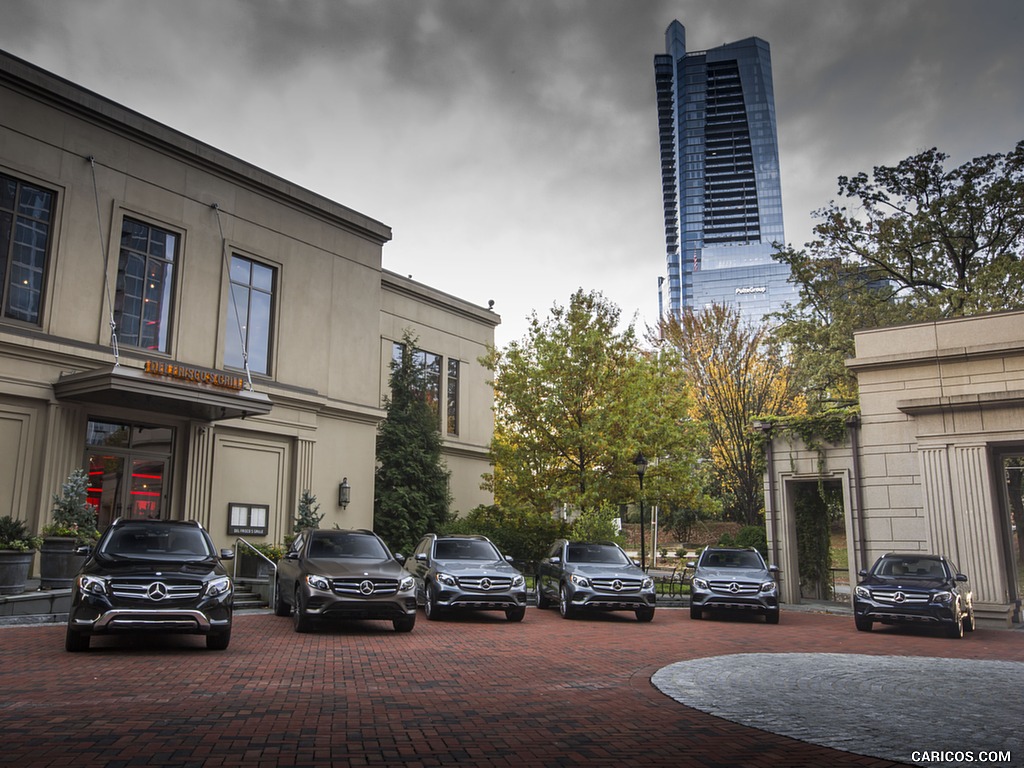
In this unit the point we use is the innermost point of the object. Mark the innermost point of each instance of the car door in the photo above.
(418, 564)
(549, 574)
(289, 568)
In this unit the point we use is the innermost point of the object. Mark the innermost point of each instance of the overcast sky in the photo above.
(511, 145)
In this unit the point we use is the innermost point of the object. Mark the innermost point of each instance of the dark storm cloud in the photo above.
(512, 144)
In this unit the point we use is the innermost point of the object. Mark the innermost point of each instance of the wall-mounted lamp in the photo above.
(344, 493)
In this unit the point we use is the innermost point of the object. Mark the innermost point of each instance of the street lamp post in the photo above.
(641, 466)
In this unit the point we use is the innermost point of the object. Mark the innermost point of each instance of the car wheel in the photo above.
(218, 641)
(970, 623)
(515, 614)
(542, 600)
(695, 612)
(956, 629)
(75, 641)
(772, 617)
(281, 607)
(404, 624)
(431, 609)
(645, 614)
(300, 621)
(564, 604)
(863, 624)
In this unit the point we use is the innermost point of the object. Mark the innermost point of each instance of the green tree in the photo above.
(918, 243)
(738, 375)
(524, 535)
(574, 402)
(307, 517)
(411, 495)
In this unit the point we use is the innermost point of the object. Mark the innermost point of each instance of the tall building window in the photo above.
(145, 285)
(453, 396)
(428, 373)
(26, 213)
(250, 315)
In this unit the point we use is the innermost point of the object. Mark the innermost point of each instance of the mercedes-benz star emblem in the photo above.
(366, 587)
(899, 597)
(734, 587)
(485, 584)
(157, 591)
(617, 585)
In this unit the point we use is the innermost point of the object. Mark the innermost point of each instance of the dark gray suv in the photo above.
(456, 573)
(593, 576)
(727, 578)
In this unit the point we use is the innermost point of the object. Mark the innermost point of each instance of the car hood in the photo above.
(355, 566)
(604, 569)
(156, 568)
(468, 567)
(733, 574)
(902, 582)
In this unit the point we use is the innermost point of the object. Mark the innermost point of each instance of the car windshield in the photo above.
(333, 546)
(595, 553)
(910, 567)
(731, 559)
(465, 549)
(157, 542)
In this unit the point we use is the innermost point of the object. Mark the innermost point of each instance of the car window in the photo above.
(157, 542)
(465, 549)
(910, 567)
(595, 553)
(331, 545)
(731, 559)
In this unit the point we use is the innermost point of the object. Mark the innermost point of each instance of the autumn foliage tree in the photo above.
(737, 376)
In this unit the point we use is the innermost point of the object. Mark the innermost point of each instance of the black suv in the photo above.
(914, 588)
(593, 575)
(336, 574)
(466, 573)
(152, 576)
(729, 578)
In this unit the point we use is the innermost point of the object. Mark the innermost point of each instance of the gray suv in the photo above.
(727, 578)
(457, 573)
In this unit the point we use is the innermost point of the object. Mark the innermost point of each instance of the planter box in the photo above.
(14, 568)
(58, 563)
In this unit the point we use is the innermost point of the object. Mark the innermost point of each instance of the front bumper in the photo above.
(329, 605)
(96, 616)
(456, 599)
(930, 613)
(712, 600)
(598, 600)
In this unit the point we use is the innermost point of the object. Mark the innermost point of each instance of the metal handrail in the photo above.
(272, 570)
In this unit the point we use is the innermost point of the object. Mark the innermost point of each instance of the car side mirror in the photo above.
(554, 560)
(508, 558)
(773, 569)
(961, 577)
(691, 564)
(862, 573)
(421, 557)
(227, 554)
(292, 556)
(400, 557)
(85, 550)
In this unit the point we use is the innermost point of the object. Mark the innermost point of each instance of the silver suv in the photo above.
(455, 573)
(726, 578)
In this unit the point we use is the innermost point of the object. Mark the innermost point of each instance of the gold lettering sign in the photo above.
(195, 375)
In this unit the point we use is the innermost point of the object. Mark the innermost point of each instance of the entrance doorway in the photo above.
(820, 539)
(127, 466)
(1012, 467)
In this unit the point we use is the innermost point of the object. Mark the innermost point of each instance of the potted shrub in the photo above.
(17, 548)
(73, 525)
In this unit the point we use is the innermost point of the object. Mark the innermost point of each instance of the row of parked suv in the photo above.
(167, 576)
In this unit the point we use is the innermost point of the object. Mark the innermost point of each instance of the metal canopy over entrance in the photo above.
(134, 388)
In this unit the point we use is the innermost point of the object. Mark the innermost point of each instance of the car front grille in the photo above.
(365, 587)
(155, 590)
(485, 583)
(617, 586)
(734, 588)
(900, 597)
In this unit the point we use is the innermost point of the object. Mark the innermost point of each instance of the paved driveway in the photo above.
(476, 690)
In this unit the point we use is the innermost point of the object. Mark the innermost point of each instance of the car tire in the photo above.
(956, 629)
(863, 624)
(431, 609)
(645, 614)
(281, 607)
(695, 612)
(565, 604)
(515, 614)
(970, 622)
(300, 621)
(772, 617)
(404, 624)
(538, 590)
(218, 641)
(75, 642)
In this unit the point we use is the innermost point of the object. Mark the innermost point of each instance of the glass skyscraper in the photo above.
(720, 177)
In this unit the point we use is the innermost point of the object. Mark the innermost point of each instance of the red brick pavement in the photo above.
(476, 690)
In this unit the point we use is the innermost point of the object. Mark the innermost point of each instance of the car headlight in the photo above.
(446, 578)
(318, 582)
(218, 586)
(648, 583)
(942, 597)
(579, 581)
(92, 585)
(700, 584)
(768, 586)
(406, 584)
(863, 592)
(518, 581)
